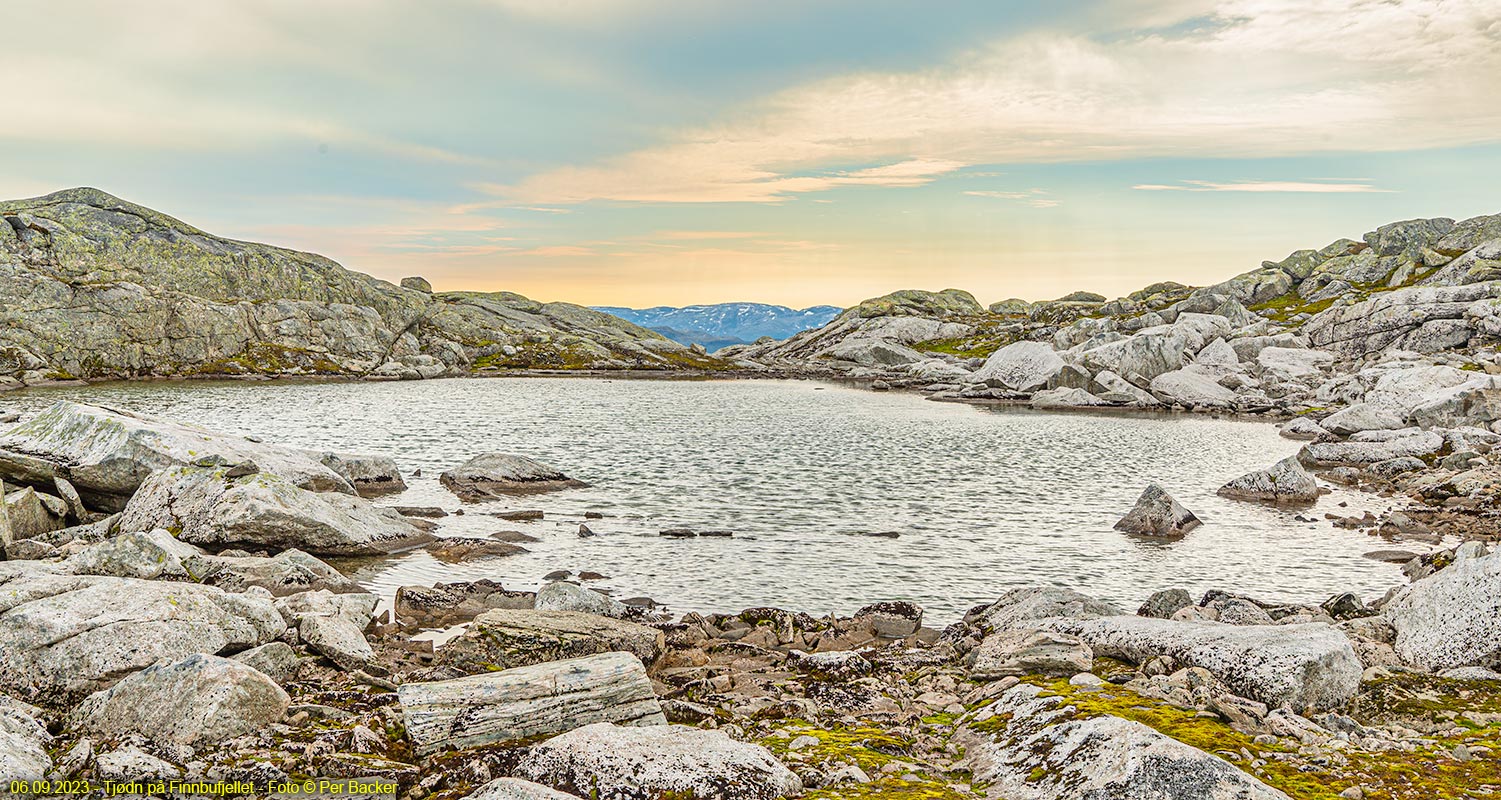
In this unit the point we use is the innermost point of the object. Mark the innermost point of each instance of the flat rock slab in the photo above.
(1300, 666)
(107, 453)
(528, 702)
(655, 763)
(206, 506)
(65, 636)
(1045, 752)
(505, 638)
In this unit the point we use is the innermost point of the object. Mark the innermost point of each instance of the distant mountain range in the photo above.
(724, 324)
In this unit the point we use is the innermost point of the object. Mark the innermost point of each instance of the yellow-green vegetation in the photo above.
(867, 748)
(1283, 308)
(270, 358)
(1432, 772)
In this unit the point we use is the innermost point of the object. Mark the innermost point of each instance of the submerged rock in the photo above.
(205, 506)
(107, 453)
(199, 700)
(648, 763)
(1157, 514)
(491, 476)
(1285, 482)
(370, 475)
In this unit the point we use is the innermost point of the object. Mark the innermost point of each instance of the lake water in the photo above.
(983, 499)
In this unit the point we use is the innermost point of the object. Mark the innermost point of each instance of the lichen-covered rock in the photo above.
(107, 453)
(1361, 453)
(517, 789)
(502, 639)
(1400, 319)
(338, 638)
(529, 702)
(1194, 386)
(1302, 428)
(656, 763)
(286, 573)
(1043, 750)
(23, 742)
(1308, 665)
(1157, 514)
(1453, 617)
(63, 636)
(491, 476)
(204, 506)
(30, 514)
(1284, 482)
(1063, 397)
(276, 659)
(150, 555)
(202, 699)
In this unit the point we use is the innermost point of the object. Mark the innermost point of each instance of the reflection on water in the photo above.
(982, 499)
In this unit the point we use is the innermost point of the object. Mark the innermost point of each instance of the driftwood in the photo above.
(526, 702)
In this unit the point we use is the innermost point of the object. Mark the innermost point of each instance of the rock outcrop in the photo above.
(96, 287)
(1453, 617)
(202, 699)
(491, 476)
(1284, 482)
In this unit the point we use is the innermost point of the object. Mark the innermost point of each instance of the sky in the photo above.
(801, 152)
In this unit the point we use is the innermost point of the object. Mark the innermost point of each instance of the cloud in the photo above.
(1231, 78)
(1031, 197)
(703, 235)
(1310, 187)
(558, 251)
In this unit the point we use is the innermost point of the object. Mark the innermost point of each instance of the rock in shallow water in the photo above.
(650, 763)
(204, 506)
(1284, 482)
(1157, 514)
(492, 476)
(505, 638)
(107, 453)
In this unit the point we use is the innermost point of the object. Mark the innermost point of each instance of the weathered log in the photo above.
(527, 702)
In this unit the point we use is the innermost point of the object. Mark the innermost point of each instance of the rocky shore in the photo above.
(166, 613)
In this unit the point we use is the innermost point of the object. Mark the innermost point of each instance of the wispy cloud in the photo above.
(1216, 78)
(1032, 197)
(1311, 187)
(704, 235)
(559, 251)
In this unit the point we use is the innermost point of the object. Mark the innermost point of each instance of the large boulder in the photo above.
(1019, 366)
(490, 476)
(1029, 652)
(1160, 349)
(1293, 362)
(517, 789)
(655, 763)
(207, 507)
(1284, 482)
(64, 636)
(199, 700)
(1453, 617)
(107, 453)
(1363, 417)
(528, 702)
(1018, 607)
(30, 513)
(1310, 665)
(1194, 386)
(148, 555)
(1027, 746)
(1423, 318)
(504, 638)
(286, 573)
(1157, 514)
(1475, 402)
